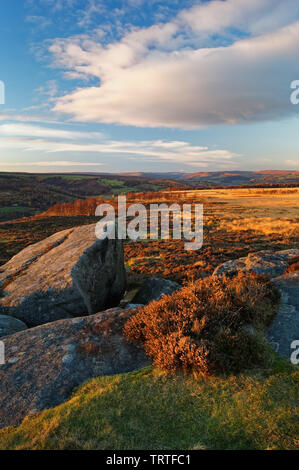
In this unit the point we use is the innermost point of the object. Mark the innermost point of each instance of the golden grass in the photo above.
(265, 225)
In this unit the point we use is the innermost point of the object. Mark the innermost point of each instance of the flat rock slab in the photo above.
(10, 325)
(285, 326)
(267, 262)
(44, 364)
(69, 274)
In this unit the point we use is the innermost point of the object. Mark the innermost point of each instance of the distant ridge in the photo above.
(234, 177)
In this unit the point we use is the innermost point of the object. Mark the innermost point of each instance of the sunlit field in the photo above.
(236, 222)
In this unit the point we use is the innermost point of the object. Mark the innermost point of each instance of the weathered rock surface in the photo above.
(285, 326)
(285, 276)
(153, 289)
(44, 364)
(10, 325)
(71, 273)
(270, 263)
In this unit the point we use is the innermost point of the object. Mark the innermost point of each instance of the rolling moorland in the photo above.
(25, 194)
(254, 409)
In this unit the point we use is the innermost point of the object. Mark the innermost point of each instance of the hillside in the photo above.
(24, 194)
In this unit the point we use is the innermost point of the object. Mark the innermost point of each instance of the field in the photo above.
(236, 222)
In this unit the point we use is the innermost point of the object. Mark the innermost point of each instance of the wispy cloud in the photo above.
(37, 21)
(33, 138)
(34, 131)
(64, 163)
(45, 166)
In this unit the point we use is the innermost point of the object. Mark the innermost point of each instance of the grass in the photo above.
(14, 209)
(111, 182)
(152, 410)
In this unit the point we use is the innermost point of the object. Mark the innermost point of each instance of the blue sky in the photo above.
(150, 85)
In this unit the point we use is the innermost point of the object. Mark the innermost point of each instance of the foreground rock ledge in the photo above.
(44, 364)
(268, 262)
(69, 274)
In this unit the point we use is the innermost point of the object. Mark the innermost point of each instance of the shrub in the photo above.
(204, 326)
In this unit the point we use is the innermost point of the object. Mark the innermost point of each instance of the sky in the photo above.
(148, 85)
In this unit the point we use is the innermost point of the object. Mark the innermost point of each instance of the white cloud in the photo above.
(63, 163)
(166, 76)
(33, 131)
(251, 16)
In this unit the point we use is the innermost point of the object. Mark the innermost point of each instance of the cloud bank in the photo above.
(220, 62)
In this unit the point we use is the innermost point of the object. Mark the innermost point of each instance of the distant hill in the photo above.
(24, 194)
(228, 178)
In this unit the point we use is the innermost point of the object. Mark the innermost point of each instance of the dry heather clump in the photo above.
(204, 326)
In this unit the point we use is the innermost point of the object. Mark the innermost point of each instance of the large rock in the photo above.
(69, 274)
(281, 267)
(270, 263)
(153, 289)
(285, 326)
(10, 325)
(45, 363)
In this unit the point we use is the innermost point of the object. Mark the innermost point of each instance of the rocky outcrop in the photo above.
(44, 364)
(285, 326)
(281, 267)
(153, 289)
(69, 274)
(10, 325)
(270, 263)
